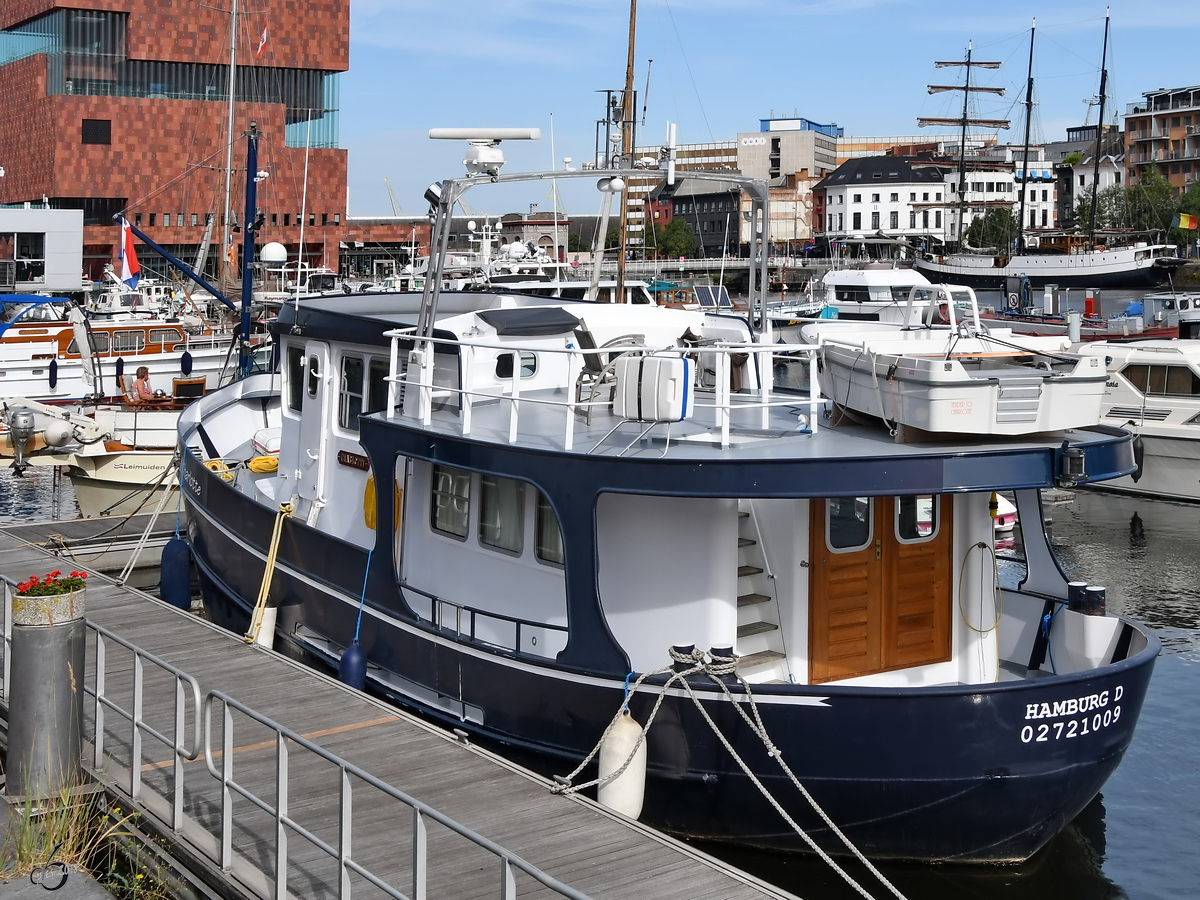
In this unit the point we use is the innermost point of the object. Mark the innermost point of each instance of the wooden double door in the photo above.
(880, 593)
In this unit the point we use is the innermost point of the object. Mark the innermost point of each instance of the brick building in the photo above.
(121, 105)
(1163, 130)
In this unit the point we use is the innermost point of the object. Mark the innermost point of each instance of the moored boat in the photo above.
(1153, 390)
(937, 372)
(520, 508)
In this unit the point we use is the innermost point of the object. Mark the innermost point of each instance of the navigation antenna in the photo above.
(967, 88)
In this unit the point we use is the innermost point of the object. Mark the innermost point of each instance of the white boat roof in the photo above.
(875, 276)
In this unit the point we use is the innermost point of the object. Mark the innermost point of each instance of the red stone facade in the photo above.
(167, 156)
(303, 34)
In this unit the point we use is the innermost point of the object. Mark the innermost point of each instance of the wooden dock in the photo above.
(329, 800)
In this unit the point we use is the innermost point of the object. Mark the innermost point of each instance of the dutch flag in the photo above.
(130, 267)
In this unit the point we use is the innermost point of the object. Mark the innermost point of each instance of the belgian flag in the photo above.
(1183, 220)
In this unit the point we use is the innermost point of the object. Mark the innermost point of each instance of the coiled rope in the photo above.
(256, 619)
(697, 662)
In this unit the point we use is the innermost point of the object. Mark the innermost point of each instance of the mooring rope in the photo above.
(715, 667)
(256, 619)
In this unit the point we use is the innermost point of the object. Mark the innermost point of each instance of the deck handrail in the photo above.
(180, 752)
(284, 737)
(724, 404)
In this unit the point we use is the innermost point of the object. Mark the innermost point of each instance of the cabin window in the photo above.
(314, 375)
(1175, 381)
(164, 336)
(848, 523)
(99, 342)
(128, 341)
(350, 399)
(451, 501)
(854, 294)
(916, 518)
(295, 371)
(501, 504)
(504, 365)
(549, 535)
(377, 386)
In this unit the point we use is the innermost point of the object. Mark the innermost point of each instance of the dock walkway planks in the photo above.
(572, 839)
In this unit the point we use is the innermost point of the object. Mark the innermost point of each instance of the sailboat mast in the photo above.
(1025, 156)
(1099, 131)
(962, 157)
(628, 111)
(233, 24)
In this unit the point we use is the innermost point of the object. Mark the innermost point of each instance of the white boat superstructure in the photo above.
(960, 376)
(1153, 390)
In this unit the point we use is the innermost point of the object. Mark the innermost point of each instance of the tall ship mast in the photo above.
(1068, 261)
(964, 122)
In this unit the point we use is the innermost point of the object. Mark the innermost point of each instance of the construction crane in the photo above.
(397, 210)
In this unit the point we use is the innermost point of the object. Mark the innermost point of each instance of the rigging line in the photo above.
(337, 207)
(699, 102)
(670, 70)
(189, 170)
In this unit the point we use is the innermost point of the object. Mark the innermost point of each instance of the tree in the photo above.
(1189, 203)
(1111, 208)
(576, 243)
(677, 239)
(995, 228)
(1151, 202)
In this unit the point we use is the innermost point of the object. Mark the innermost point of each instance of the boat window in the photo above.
(848, 523)
(314, 375)
(295, 373)
(504, 365)
(377, 386)
(549, 535)
(164, 336)
(854, 294)
(350, 398)
(99, 343)
(1175, 381)
(451, 501)
(900, 293)
(916, 518)
(128, 341)
(1184, 303)
(501, 504)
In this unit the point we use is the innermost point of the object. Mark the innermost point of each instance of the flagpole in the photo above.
(229, 131)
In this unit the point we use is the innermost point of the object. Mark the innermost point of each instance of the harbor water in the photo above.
(1139, 838)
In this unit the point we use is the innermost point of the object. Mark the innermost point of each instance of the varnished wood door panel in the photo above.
(884, 607)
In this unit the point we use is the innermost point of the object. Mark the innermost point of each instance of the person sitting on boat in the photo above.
(943, 313)
(141, 386)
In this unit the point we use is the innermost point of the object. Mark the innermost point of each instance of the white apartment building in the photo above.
(870, 195)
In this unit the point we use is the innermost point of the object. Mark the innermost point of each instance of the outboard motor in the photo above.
(20, 430)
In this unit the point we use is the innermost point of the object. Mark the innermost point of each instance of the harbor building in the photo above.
(127, 110)
(1163, 129)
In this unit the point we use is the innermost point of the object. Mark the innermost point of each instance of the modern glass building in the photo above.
(127, 112)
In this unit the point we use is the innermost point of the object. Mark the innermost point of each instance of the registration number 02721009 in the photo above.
(1093, 716)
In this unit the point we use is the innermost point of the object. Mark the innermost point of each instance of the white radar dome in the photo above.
(273, 252)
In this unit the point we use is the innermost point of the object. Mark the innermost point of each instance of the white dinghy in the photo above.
(941, 373)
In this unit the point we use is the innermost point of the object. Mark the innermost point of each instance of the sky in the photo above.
(719, 66)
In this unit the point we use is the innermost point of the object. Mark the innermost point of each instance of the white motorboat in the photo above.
(960, 376)
(40, 357)
(1153, 390)
(486, 515)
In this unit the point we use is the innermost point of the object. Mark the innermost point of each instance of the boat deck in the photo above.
(574, 840)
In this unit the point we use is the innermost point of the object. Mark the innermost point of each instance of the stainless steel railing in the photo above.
(192, 733)
(342, 853)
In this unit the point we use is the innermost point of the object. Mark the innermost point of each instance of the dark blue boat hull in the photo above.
(966, 773)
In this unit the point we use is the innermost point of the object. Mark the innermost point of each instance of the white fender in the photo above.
(626, 792)
(266, 631)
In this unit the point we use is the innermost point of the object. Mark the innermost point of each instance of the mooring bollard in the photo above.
(45, 721)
